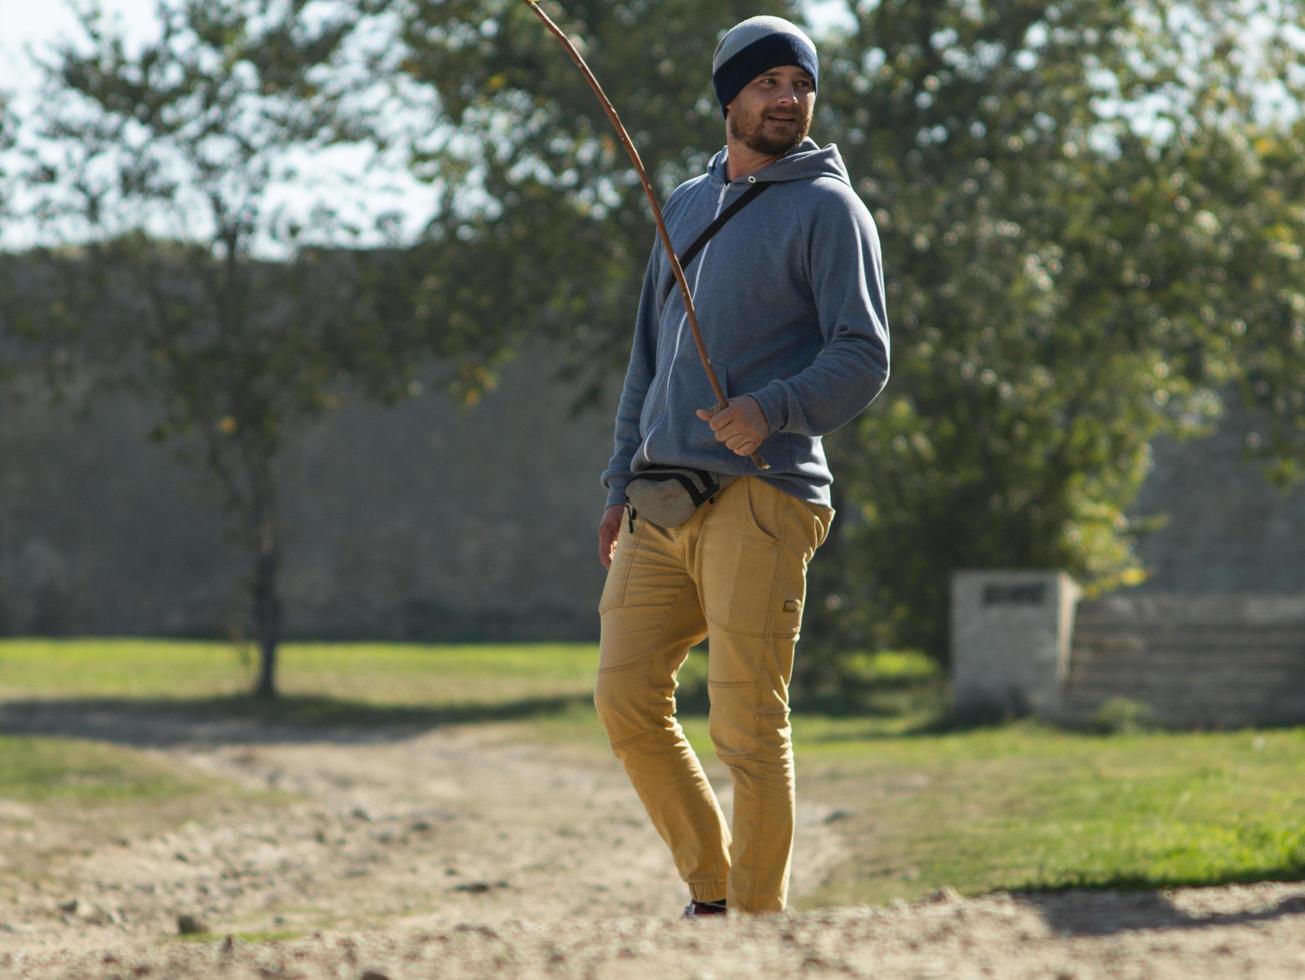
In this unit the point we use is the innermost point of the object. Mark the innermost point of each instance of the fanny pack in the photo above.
(669, 496)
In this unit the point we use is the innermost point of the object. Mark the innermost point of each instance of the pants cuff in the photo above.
(707, 891)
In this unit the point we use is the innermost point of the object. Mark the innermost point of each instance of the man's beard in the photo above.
(751, 132)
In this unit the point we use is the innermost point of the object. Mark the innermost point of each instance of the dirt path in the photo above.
(462, 853)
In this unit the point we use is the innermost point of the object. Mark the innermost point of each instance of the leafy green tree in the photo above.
(1055, 184)
(6, 141)
(1266, 269)
(162, 163)
(8, 285)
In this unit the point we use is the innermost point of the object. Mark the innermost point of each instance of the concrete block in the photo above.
(1011, 633)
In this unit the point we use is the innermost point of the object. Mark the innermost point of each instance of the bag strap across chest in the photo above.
(699, 243)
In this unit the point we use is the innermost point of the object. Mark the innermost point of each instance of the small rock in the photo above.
(374, 975)
(105, 917)
(477, 928)
(190, 925)
(79, 908)
(473, 887)
(421, 826)
(944, 894)
(481, 887)
(360, 813)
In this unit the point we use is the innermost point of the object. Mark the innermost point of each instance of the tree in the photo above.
(8, 285)
(6, 141)
(1054, 184)
(1266, 231)
(162, 166)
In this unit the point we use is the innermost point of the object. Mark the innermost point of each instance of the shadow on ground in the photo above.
(240, 719)
(1103, 913)
(853, 698)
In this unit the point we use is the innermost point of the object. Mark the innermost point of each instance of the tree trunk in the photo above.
(267, 600)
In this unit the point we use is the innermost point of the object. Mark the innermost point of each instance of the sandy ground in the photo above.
(463, 853)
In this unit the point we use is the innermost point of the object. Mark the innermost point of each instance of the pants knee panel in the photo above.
(621, 700)
(746, 733)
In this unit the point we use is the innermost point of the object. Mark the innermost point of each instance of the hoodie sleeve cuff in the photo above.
(616, 493)
(773, 401)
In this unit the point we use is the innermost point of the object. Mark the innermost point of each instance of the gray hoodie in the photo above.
(790, 299)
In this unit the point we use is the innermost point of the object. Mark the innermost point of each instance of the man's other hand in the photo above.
(741, 425)
(608, 528)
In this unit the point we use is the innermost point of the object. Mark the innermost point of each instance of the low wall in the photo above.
(1023, 643)
(416, 522)
(1203, 662)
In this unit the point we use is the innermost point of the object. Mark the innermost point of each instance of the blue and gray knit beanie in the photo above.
(756, 45)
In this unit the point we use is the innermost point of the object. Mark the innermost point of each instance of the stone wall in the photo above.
(416, 522)
(1227, 530)
(426, 522)
(1192, 661)
(1022, 644)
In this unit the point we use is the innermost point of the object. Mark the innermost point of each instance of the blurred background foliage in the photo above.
(1092, 215)
(1072, 198)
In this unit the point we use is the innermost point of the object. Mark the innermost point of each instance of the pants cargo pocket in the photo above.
(618, 574)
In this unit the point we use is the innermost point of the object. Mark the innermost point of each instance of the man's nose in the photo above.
(787, 94)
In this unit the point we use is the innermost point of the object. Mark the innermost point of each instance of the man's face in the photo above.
(772, 113)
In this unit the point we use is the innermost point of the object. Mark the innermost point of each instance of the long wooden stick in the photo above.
(671, 257)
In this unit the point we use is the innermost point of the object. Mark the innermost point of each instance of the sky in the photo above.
(24, 22)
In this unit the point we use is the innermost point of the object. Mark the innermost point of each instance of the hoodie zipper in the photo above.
(679, 333)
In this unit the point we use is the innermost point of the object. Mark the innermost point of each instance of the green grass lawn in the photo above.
(64, 770)
(1024, 806)
(919, 806)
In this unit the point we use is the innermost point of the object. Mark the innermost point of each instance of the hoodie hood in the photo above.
(805, 161)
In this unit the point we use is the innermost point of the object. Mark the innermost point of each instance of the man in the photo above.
(790, 299)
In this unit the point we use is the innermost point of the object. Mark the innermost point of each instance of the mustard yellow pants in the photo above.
(735, 574)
